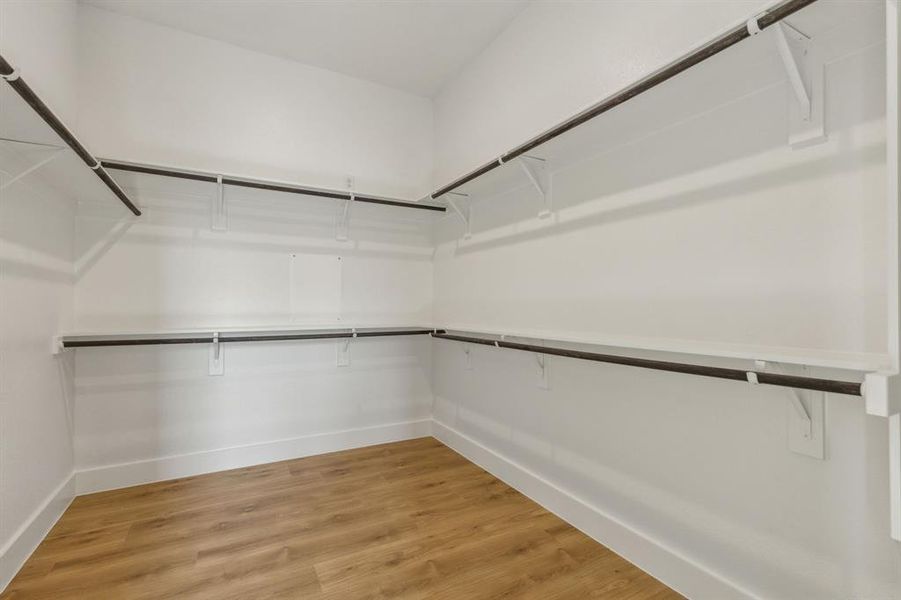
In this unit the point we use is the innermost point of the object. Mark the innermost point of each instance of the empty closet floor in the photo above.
(406, 520)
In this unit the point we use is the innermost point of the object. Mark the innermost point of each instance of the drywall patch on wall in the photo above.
(315, 288)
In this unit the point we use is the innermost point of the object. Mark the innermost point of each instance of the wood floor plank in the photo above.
(407, 520)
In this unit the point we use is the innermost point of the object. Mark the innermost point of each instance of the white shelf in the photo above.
(850, 361)
(837, 29)
(229, 334)
(147, 182)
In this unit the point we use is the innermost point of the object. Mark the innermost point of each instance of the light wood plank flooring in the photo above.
(405, 520)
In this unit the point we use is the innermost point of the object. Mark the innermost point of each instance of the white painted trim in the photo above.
(676, 570)
(26, 539)
(122, 475)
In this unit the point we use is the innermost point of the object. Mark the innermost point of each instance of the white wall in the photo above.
(157, 95)
(659, 235)
(690, 223)
(36, 248)
(40, 39)
(551, 63)
(149, 413)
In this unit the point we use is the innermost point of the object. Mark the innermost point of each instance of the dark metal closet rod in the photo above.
(806, 383)
(43, 111)
(264, 185)
(726, 40)
(208, 338)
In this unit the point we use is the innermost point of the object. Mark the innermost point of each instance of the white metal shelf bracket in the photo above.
(467, 358)
(805, 70)
(217, 366)
(542, 361)
(465, 213)
(536, 170)
(342, 226)
(806, 418)
(219, 215)
(343, 359)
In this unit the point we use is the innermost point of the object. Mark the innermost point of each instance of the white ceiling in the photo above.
(413, 45)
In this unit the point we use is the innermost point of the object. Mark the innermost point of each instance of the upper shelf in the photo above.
(36, 142)
(726, 68)
(265, 185)
(863, 362)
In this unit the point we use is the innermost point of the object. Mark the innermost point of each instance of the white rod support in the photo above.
(795, 399)
(11, 76)
(343, 352)
(792, 69)
(803, 415)
(464, 216)
(216, 365)
(536, 171)
(541, 359)
(220, 194)
(342, 224)
(753, 26)
(219, 217)
(806, 419)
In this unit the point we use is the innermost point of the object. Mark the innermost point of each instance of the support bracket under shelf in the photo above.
(806, 418)
(805, 69)
(217, 364)
(342, 225)
(219, 212)
(542, 360)
(806, 76)
(343, 350)
(465, 213)
(540, 177)
(806, 72)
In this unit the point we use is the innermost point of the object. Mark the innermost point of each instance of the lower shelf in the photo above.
(231, 336)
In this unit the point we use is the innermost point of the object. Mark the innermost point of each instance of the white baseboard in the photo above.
(666, 564)
(14, 554)
(185, 465)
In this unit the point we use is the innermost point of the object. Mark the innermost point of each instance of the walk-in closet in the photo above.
(446, 299)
